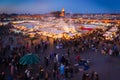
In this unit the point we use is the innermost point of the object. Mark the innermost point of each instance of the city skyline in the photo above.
(71, 6)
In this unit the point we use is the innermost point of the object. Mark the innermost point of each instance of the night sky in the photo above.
(71, 6)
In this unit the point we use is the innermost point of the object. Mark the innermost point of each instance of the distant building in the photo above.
(55, 14)
(62, 12)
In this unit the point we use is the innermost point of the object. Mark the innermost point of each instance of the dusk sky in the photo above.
(71, 6)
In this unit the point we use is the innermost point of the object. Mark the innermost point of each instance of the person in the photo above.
(27, 72)
(66, 62)
(96, 77)
(55, 66)
(62, 70)
(57, 75)
(63, 59)
(87, 77)
(46, 75)
(92, 75)
(86, 66)
(66, 71)
(68, 52)
(52, 56)
(57, 57)
(2, 76)
(41, 73)
(12, 69)
(54, 74)
(78, 58)
(83, 76)
(110, 52)
(46, 61)
(71, 71)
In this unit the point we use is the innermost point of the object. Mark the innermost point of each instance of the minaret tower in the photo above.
(62, 12)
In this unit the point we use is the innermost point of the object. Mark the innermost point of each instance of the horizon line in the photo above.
(66, 13)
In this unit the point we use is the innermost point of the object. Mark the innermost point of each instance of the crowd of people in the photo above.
(90, 76)
(55, 66)
(96, 41)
